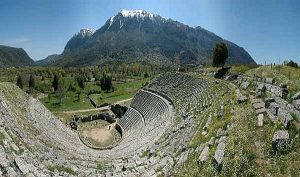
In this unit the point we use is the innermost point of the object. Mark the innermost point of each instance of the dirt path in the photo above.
(95, 109)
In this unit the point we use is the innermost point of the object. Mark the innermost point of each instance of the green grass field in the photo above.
(69, 102)
(123, 90)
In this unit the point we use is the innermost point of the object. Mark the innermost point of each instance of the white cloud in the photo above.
(17, 41)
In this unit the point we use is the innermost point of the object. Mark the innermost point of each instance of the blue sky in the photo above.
(268, 30)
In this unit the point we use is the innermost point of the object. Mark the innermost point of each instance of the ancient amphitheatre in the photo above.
(147, 96)
(157, 132)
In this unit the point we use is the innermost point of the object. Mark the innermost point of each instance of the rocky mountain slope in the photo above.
(14, 57)
(138, 35)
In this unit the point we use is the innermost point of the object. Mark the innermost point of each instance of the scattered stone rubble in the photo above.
(245, 85)
(276, 107)
(296, 101)
(240, 97)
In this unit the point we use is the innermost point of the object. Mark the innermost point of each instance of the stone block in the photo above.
(260, 111)
(259, 105)
(256, 100)
(219, 156)
(285, 117)
(268, 87)
(11, 172)
(261, 87)
(221, 139)
(221, 132)
(280, 140)
(204, 155)
(283, 86)
(3, 160)
(274, 108)
(183, 157)
(241, 98)
(245, 85)
(231, 77)
(296, 96)
(260, 120)
(22, 165)
(296, 104)
(211, 141)
(268, 101)
(269, 80)
(258, 94)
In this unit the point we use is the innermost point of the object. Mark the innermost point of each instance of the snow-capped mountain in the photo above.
(137, 35)
(82, 36)
(130, 17)
(137, 13)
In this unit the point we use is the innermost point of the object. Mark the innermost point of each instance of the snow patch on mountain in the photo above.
(111, 20)
(86, 32)
(137, 13)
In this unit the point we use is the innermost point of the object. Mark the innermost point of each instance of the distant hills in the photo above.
(48, 61)
(14, 57)
(138, 35)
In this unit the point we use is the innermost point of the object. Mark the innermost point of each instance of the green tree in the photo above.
(61, 93)
(291, 63)
(20, 82)
(80, 82)
(219, 55)
(146, 75)
(31, 84)
(61, 90)
(78, 95)
(106, 83)
(72, 87)
(55, 82)
(49, 97)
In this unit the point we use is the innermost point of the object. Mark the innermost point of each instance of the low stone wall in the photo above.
(102, 116)
(119, 129)
(93, 102)
(76, 119)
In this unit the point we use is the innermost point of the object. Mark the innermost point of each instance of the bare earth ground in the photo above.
(99, 135)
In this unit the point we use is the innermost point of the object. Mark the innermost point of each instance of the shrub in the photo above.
(118, 110)
(293, 64)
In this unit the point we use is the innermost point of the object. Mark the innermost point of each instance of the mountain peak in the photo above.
(125, 16)
(86, 32)
(79, 38)
(136, 13)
